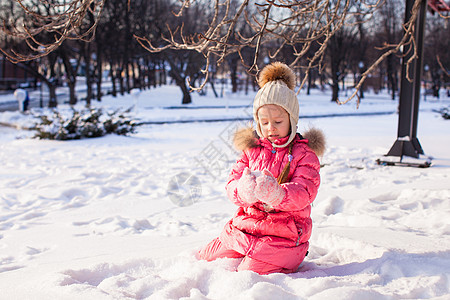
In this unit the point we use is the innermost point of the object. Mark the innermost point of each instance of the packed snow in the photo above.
(121, 217)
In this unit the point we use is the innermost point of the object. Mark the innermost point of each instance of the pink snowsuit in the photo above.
(275, 240)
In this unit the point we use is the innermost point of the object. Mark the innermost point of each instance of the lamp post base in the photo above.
(406, 151)
(405, 161)
(406, 146)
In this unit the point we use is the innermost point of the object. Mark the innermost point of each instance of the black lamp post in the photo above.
(407, 143)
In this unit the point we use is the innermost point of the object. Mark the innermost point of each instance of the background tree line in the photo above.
(116, 49)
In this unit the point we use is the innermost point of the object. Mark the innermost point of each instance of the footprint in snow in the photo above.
(331, 206)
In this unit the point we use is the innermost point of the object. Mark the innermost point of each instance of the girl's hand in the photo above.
(268, 190)
(246, 187)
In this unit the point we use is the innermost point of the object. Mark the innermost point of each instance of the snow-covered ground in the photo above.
(122, 217)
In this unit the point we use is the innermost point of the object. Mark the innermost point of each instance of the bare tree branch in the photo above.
(297, 24)
(45, 32)
(407, 39)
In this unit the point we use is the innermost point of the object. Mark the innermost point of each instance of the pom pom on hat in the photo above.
(277, 71)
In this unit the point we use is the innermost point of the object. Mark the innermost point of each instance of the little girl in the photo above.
(273, 183)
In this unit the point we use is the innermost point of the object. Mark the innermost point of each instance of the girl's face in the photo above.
(273, 121)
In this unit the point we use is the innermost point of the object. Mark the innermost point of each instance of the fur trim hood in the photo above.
(247, 138)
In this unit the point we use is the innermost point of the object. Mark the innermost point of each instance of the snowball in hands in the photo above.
(268, 190)
(246, 187)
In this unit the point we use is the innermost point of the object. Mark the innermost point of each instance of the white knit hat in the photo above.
(277, 82)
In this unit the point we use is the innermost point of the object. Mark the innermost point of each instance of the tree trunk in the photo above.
(71, 76)
(52, 102)
(127, 51)
(87, 60)
(213, 88)
(162, 75)
(247, 82)
(361, 91)
(186, 94)
(335, 95)
(152, 77)
(113, 79)
(322, 81)
(133, 76)
(395, 88)
(335, 81)
(72, 94)
(119, 76)
(140, 75)
(99, 72)
(181, 82)
(308, 90)
(233, 65)
(390, 75)
(127, 76)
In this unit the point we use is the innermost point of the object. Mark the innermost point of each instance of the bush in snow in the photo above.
(87, 123)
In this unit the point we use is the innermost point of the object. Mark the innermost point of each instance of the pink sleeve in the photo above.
(301, 190)
(233, 179)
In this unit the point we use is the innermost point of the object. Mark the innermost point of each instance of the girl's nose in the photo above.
(271, 126)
